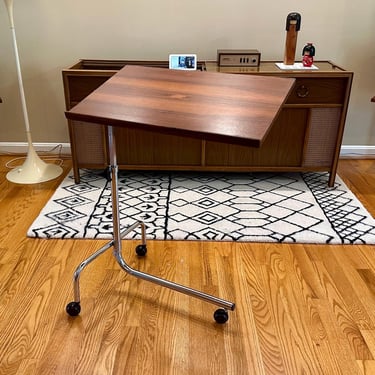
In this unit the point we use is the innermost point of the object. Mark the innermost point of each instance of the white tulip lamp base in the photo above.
(34, 170)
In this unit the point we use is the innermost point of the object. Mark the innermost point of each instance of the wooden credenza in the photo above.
(306, 136)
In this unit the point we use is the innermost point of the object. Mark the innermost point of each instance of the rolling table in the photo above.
(218, 107)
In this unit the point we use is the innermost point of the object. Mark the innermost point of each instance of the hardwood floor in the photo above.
(301, 309)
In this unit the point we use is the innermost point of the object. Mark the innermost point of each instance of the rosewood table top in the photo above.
(228, 107)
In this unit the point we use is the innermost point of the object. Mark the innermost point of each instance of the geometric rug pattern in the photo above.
(252, 207)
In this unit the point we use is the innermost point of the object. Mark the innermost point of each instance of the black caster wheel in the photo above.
(141, 250)
(221, 316)
(73, 308)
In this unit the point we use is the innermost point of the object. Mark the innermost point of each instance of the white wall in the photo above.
(53, 35)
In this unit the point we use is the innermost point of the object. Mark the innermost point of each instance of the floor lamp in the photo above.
(34, 169)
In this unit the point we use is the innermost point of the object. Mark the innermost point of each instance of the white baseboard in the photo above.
(22, 147)
(357, 152)
(64, 148)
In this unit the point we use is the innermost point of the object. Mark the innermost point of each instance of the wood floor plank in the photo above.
(367, 367)
(300, 308)
(347, 314)
(262, 343)
(289, 311)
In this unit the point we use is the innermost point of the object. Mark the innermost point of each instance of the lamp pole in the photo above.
(34, 169)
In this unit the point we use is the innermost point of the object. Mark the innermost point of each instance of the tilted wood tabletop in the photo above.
(228, 107)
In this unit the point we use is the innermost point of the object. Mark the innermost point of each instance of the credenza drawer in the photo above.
(318, 90)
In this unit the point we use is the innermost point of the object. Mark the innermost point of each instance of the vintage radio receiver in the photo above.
(238, 57)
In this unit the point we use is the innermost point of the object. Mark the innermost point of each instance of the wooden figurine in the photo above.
(293, 24)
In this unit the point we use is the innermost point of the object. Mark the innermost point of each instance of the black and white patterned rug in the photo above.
(254, 207)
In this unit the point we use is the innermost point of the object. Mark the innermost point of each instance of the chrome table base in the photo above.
(74, 308)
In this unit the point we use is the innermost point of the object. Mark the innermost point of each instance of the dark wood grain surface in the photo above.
(205, 104)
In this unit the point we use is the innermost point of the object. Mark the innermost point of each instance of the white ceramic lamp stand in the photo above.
(33, 170)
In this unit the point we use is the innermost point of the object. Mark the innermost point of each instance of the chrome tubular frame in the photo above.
(117, 245)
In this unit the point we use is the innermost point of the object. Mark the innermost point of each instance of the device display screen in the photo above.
(183, 61)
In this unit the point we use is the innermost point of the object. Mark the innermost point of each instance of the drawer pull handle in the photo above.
(302, 91)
